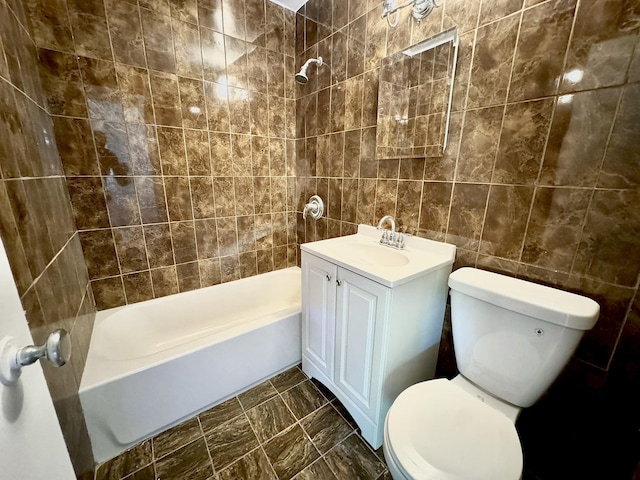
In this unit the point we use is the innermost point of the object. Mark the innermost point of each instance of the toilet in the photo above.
(512, 339)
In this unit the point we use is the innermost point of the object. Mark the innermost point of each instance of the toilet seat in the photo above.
(435, 430)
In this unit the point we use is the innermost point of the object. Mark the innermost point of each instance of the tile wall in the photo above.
(36, 224)
(176, 127)
(541, 178)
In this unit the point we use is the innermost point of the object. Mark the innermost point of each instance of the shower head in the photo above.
(301, 76)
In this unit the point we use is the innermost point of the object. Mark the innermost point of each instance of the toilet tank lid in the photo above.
(539, 301)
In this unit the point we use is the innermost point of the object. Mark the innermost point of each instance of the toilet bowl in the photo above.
(440, 430)
(511, 338)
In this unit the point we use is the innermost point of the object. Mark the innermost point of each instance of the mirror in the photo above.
(414, 98)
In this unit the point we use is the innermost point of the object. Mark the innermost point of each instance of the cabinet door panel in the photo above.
(318, 314)
(359, 320)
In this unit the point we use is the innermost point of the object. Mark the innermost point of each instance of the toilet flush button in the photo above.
(538, 331)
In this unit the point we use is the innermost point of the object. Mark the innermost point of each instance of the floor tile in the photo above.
(147, 473)
(176, 437)
(230, 441)
(257, 395)
(326, 428)
(219, 414)
(318, 470)
(191, 461)
(128, 462)
(288, 379)
(290, 452)
(304, 399)
(328, 394)
(254, 466)
(353, 459)
(270, 418)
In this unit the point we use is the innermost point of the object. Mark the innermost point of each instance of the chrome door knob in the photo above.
(57, 350)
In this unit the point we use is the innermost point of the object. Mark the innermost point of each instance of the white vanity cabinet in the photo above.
(367, 341)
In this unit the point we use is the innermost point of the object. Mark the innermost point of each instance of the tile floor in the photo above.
(286, 427)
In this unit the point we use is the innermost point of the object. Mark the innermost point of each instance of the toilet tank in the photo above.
(511, 337)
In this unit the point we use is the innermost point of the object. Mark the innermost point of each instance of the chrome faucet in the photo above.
(390, 238)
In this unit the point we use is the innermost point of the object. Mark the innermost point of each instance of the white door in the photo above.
(31, 442)
(362, 305)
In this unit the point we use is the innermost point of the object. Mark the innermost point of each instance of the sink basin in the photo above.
(378, 255)
(362, 253)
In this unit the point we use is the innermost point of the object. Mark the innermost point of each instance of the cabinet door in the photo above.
(360, 314)
(318, 312)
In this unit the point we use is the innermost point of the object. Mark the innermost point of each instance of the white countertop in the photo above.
(362, 253)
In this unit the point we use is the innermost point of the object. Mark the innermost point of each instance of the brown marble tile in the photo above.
(151, 199)
(213, 56)
(87, 200)
(467, 213)
(191, 461)
(103, 97)
(176, 437)
(337, 107)
(62, 83)
(90, 33)
(246, 230)
(265, 260)
(318, 469)
(608, 249)
(231, 440)
(434, 214)
(192, 100)
(108, 292)
(186, 38)
(164, 92)
(248, 264)
(257, 395)
(158, 243)
(542, 44)
(386, 198)
(234, 18)
(210, 273)
(206, 238)
(220, 414)
(202, 197)
(184, 242)
(125, 29)
(99, 253)
(408, 207)
(125, 463)
(188, 276)
(270, 418)
(479, 144)
(303, 399)
(75, 145)
(143, 149)
(495, 9)
(578, 137)
(227, 236)
(179, 200)
(620, 167)
(461, 14)
(326, 428)
(290, 378)
(112, 146)
(198, 156)
(137, 287)
(244, 191)
(522, 141)
(221, 164)
(506, 220)
(554, 227)
(217, 101)
(131, 250)
(599, 53)
(254, 465)
(224, 194)
(353, 459)
(165, 281)
(172, 151)
(158, 41)
(241, 155)
(290, 452)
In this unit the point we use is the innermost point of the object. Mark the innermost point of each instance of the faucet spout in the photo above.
(390, 219)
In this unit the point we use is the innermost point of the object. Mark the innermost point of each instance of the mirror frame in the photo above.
(449, 35)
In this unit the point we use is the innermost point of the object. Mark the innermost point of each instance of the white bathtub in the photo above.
(152, 364)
